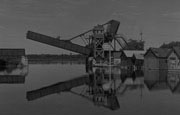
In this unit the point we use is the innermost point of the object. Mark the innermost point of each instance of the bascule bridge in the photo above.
(95, 40)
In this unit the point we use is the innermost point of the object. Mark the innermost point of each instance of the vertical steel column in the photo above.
(98, 41)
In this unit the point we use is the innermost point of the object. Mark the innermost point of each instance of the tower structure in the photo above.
(98, 41)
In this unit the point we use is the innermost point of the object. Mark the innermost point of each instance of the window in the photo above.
(172, 58)
(166, 61)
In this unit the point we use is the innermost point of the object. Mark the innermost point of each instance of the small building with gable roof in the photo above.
(156, 58)
(130, 57)
(174, 59)
(162, 58)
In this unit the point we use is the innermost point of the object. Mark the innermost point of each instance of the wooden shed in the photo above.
(127, 59)
(138, 61)
(10, 58)
(156, 58)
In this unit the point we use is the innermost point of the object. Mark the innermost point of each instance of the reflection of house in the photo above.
(155, 79)
(155, 75)
(173, 80)
(12, 79)
(155, 86)
(162, 80)
(156, 58)
(16, 76)
(132, 81)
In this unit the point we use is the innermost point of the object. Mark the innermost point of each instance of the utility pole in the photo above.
(141, 34)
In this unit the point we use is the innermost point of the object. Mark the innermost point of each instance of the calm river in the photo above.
(131, 94)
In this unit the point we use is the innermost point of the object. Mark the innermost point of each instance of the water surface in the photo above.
(135, 93)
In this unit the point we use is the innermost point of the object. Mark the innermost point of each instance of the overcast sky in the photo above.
(159, 20)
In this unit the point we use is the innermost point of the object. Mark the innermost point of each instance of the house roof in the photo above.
(12, 52)
(129, 53)
(139, 56)
(159, 52)
(177, 51)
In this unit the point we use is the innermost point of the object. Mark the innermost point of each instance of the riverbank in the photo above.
(53, 59)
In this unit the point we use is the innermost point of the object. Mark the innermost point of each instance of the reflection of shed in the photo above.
(12, 79)
(155, 79)
(173, 80)
(176, 90)
(156, 58)
(155, 75)
(156, 86)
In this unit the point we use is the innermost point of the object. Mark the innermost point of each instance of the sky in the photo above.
(159, 20)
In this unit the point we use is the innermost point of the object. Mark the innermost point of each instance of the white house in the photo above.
(173, 59)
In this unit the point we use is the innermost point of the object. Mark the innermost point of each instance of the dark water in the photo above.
(66, 89)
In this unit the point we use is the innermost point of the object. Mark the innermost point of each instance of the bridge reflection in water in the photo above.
(103, 86)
